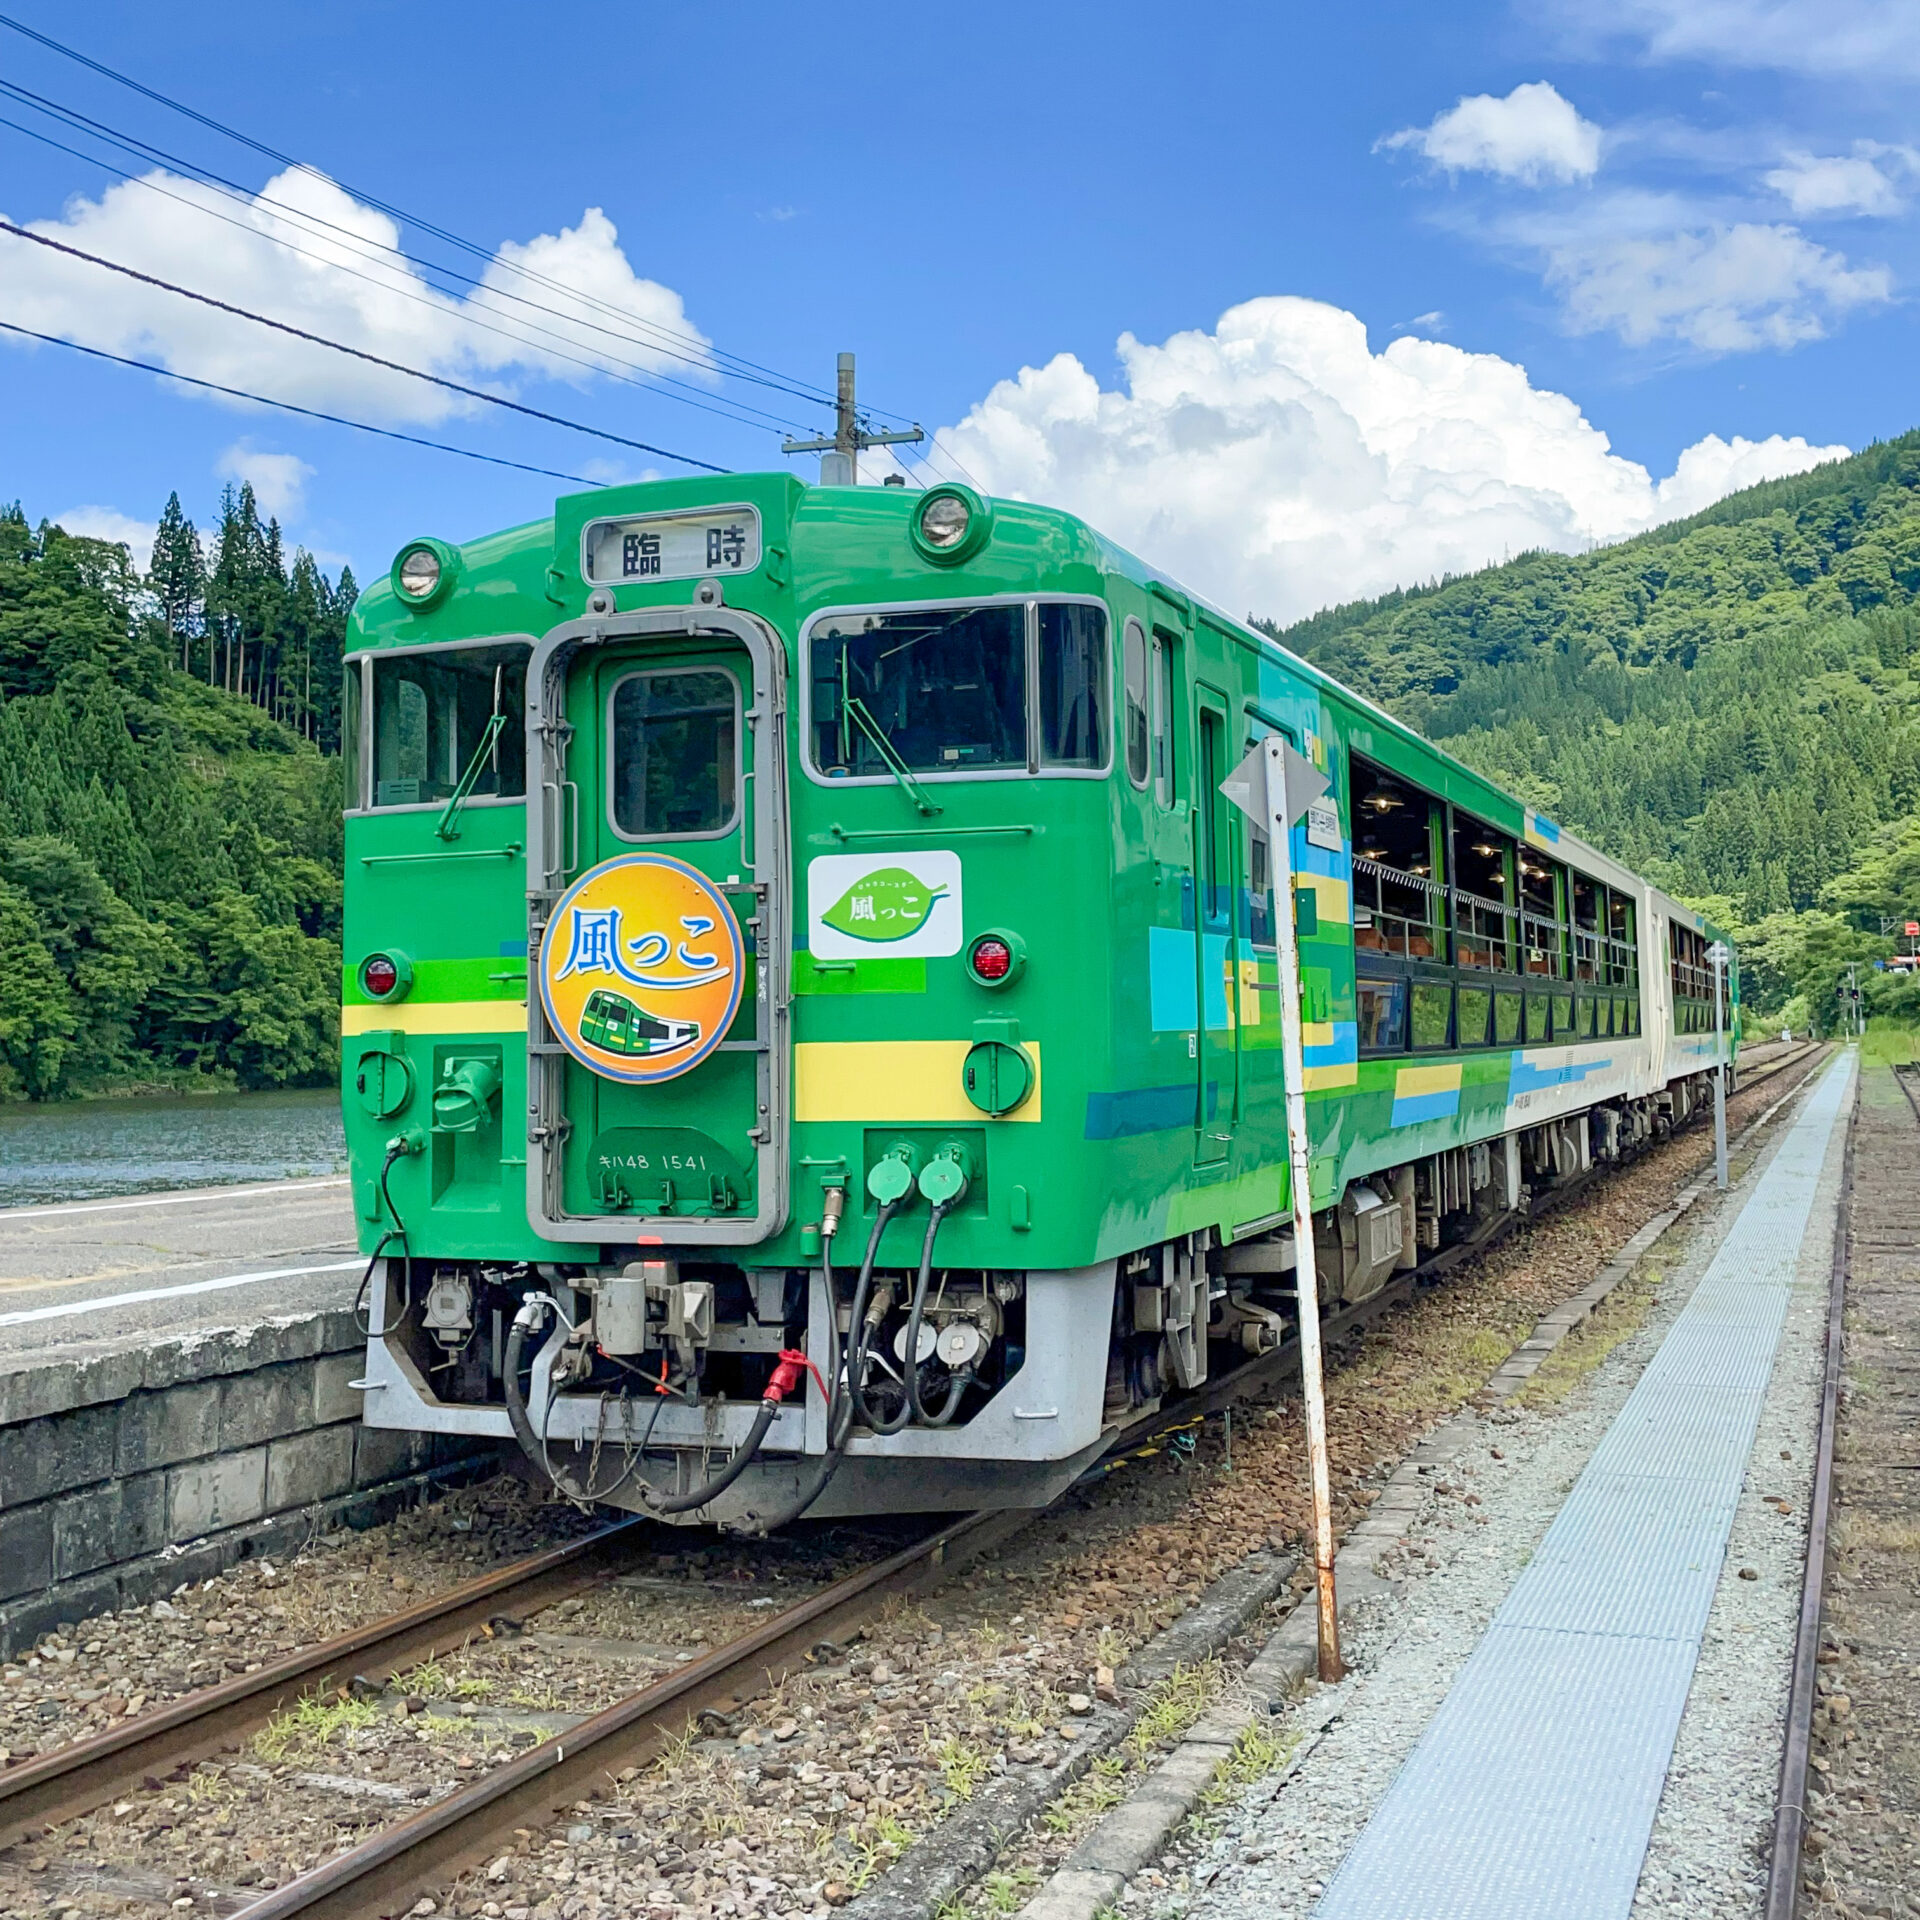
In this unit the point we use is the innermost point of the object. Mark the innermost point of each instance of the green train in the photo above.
(811, 1019)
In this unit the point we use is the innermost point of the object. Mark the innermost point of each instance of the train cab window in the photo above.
(1485, 930)
(351, 744)
(673, 753)
(1073, 685)
(439, 716)
(1396, 887)
(1133, 674)
(934, 689)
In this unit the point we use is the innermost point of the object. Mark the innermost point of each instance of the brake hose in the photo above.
(859, 1333)
(813, 1482)
(788, 1372)
(397, 1148)
(958, 1387)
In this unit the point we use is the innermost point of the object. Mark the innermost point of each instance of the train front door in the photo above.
(659, 1037)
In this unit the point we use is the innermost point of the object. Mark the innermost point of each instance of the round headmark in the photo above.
(641, 969)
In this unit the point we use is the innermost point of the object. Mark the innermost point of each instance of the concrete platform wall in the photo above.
(124, 1472)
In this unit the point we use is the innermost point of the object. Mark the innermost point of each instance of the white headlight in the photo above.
(944, 520)
(420, 573)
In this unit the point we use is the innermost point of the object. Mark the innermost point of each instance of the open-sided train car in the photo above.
(794, 928)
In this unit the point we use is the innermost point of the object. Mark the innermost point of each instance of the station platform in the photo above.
(87, 1277)
(177, 1391)
(1534, 1789)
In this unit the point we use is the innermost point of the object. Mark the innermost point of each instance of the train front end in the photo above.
(728, 870)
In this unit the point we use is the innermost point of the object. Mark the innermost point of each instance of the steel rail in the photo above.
(75, 1779)
(1790, 1802)
(387, 1872)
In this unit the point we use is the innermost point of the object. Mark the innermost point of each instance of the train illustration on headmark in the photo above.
(811, 1027)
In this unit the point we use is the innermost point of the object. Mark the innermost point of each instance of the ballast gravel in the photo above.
(1271, 1855)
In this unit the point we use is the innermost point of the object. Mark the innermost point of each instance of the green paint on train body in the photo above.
(1147, 990)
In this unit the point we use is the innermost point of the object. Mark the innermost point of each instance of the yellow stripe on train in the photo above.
(893, 1082)
(436, 1016)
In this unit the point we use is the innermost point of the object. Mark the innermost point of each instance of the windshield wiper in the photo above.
(853, 708)
(488, 749)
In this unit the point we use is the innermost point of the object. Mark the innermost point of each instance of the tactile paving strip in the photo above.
(1532, 1793)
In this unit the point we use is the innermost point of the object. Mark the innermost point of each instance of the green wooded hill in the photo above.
(1730, 704)
(169, 809)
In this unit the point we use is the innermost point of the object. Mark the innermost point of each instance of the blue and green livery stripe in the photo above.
(1426, 1093)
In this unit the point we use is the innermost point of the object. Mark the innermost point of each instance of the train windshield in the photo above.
(440, 716)
(950, 690)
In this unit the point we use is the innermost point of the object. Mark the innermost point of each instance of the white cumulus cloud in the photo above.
(279, 480)
(1279, 465)
(1726, 290)
(1532, 134)
(1827, 186)
(343, 283)
(113, 526)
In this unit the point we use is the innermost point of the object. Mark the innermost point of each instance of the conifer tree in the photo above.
(177, 576)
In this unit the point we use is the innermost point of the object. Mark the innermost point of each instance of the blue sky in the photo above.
(1620, 245)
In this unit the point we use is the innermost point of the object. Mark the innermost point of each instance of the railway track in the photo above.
(1790, 1819)
(461, 1829)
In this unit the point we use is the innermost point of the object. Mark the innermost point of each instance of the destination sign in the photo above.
(672, 546)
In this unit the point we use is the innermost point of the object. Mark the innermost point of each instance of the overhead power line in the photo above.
(607, 364)
(287, 406)
(398, 258)
(743, 368)
(356, 353)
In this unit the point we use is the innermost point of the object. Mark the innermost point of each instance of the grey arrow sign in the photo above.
(1246, 785)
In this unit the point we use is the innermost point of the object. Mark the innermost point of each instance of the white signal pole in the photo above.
(1719, 955)
(1273, 787)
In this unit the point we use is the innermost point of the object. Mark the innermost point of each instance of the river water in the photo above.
(89, 1149)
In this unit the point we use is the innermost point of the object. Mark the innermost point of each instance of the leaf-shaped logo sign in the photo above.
(885, 905)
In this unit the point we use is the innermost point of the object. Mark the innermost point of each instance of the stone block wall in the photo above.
(126, 1471)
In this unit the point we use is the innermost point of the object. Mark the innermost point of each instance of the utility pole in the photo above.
(1719, 955)
(840, 456)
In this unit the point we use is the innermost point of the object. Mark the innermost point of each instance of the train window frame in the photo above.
(731, 824)
(1256, 724)
(1033, 769)
(363, 663)
(1163, 695)
(1135, 697)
